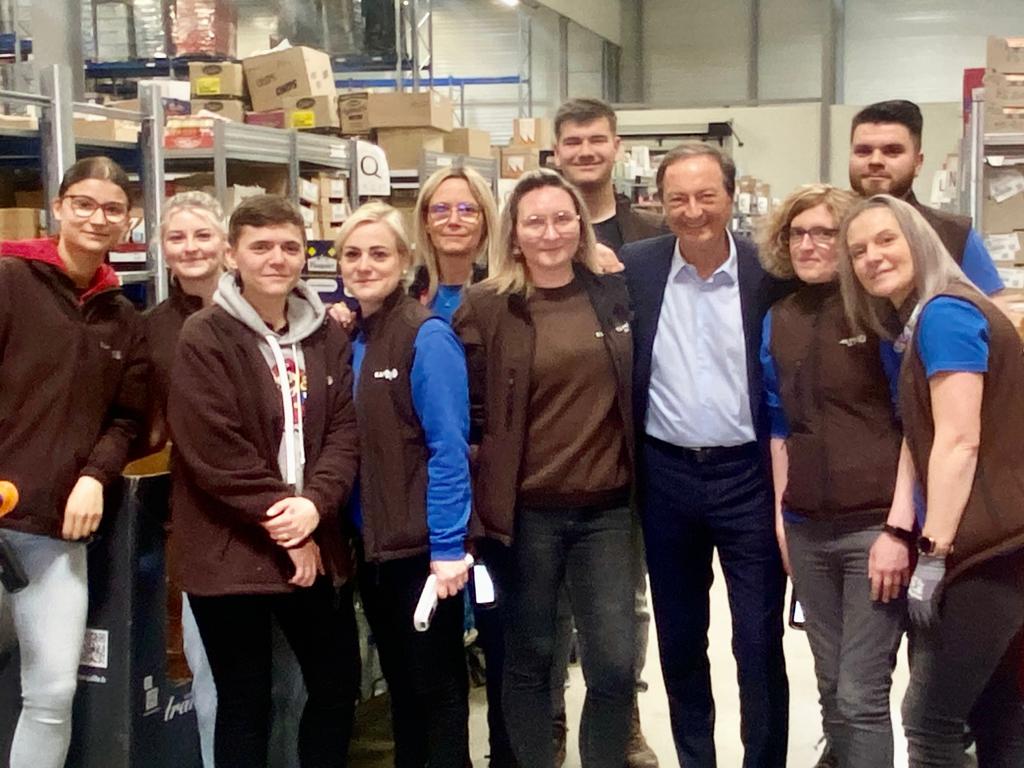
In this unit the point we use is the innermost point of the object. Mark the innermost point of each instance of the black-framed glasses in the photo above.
(467, 212)
(84, 207)
(819, 235)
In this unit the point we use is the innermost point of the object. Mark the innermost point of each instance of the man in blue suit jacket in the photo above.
(699, 298)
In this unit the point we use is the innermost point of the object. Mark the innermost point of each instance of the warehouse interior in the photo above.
(335, 102)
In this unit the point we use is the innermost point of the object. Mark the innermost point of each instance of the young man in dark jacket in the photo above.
(265, 441)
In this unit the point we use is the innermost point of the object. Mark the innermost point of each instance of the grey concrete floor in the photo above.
(371, 751)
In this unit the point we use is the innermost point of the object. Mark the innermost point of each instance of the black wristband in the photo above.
(907, 537)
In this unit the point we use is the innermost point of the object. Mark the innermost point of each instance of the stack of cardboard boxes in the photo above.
(323, 200)
(21, 223)
(530, 135)
(1002, 216)
(217, 87)
(408, 124)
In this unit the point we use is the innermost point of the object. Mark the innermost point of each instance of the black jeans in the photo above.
(591, 551)
(425, 671)
(695, 503)
(319, 623)
(965, 671)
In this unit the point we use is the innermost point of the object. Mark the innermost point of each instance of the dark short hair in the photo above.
(264, 211)
(583, 111)
(899, 111)
(698, 149)
(102, 168)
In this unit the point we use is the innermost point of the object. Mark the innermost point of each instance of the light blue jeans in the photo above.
(48, 619)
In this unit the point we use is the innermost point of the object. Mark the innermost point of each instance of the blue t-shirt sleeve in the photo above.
(891, 362)
(772, 399)
(440, 395)
(979, 267)
(952, 336)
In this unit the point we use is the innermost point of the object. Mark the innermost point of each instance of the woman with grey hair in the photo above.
(959, 397)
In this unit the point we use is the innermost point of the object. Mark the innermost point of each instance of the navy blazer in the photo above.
(648, 264)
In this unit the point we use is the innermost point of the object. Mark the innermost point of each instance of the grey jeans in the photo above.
(853, 639)
(48, 618)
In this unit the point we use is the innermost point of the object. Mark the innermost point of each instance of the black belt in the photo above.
(711, 455)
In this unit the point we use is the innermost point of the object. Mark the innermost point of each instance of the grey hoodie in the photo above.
(305, 314)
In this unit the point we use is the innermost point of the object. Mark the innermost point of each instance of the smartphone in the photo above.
(796, 613)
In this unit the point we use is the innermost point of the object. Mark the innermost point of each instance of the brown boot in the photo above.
(559, 733)
(638, 752)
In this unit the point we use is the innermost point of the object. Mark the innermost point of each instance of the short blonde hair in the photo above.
(426, 253)
(934, 269)
(509, 272)
(376, 212)
(198, 202)
(773, 240)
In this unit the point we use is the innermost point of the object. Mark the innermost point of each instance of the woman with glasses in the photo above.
(454, 232)
(413, 501)
(550, 359)
(959, 398)
(844, 513)
(72, 403)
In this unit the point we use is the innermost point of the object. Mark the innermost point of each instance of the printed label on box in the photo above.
(1005, 185)
(303, 119)
(208, 85)
(95, 648)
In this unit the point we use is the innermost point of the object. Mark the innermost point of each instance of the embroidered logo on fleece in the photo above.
(390, 374)
(854, 340)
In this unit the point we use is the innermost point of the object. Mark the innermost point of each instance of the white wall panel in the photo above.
(789, 54)
(603, 17)
(696, 52)
(918, 49)
(586, 62)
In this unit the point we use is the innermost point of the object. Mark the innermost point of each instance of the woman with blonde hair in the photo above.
(550, 359)
(413, 501)
(959, 399)
(455, 230)
(844, 512)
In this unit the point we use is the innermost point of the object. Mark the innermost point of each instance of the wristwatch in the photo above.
(907, 537)
(927, 546)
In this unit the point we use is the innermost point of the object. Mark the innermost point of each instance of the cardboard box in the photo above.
(1006, 248)
(189, 133)
(1012, 277)
(538, 132)
(232, 109)
(102, 129)
(1005, 54)
(203, 27)
(404, 146)
(334, 214)
(353, 112)
(515, 161)
(305, 112)
(469, 142)
(1003, 118)
(1002, 217)
(332, 187)
(292, 72)
(273, 118)
(221, 78)
(1004, 88)
(425, 109)
(309, 191)
(20, 223)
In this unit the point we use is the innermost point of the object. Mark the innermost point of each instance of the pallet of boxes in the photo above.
(530, 137)
(1002, 214)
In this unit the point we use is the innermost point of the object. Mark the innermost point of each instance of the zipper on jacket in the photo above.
(510, 394)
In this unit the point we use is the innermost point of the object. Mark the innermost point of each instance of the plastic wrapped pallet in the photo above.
(204, 27)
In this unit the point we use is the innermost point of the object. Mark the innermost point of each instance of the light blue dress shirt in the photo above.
(698, 390)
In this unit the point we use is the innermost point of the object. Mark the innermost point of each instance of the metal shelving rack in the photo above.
(980, 146)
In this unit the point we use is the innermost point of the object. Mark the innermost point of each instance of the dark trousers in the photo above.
(425, 671)
(694, 503)
(964, 671)
(591, 551)
(319, 623)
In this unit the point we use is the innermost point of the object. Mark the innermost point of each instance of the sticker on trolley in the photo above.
(95, 649)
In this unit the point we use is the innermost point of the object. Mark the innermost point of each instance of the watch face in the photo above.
(925, 545)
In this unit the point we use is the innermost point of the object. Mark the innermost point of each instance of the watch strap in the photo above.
(907, 537)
